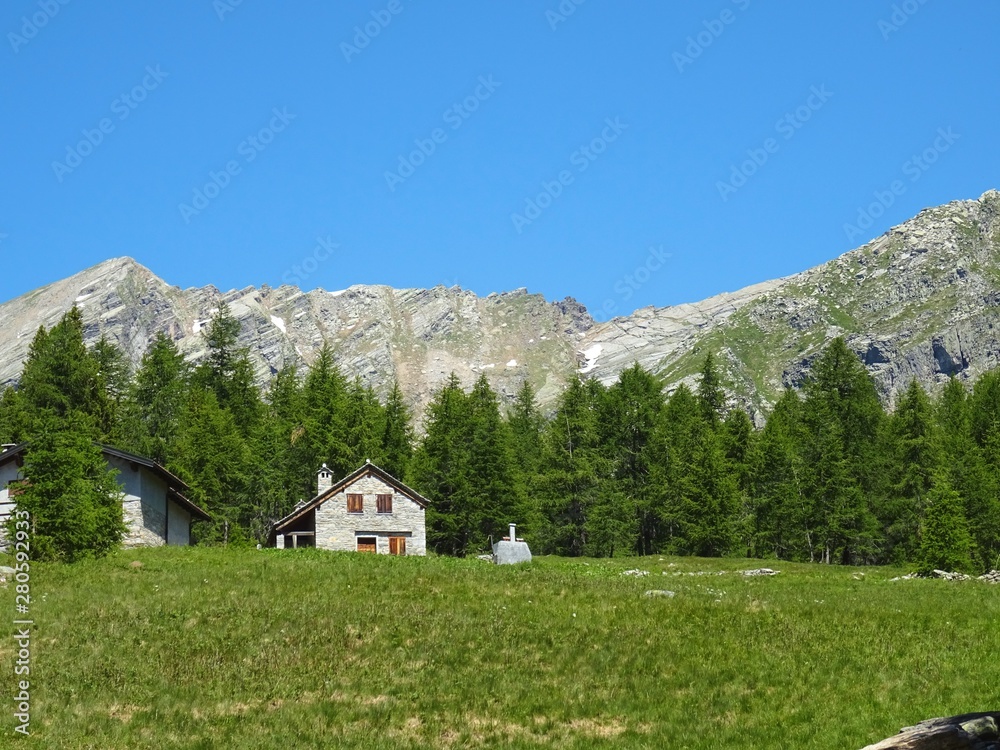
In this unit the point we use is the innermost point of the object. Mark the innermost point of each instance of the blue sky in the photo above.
(623, 153)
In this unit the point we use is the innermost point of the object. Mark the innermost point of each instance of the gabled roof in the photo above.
(176, 487)
(366, 469)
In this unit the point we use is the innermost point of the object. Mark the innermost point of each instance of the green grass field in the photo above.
(211, 648)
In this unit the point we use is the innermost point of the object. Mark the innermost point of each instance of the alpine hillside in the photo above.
(921, 301)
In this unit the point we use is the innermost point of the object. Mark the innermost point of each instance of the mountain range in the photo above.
(921, 301)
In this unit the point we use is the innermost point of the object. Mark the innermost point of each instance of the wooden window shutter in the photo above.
(397, 545)
(384, 503)
(355, 502)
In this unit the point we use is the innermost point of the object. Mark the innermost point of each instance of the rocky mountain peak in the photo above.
(920, 301)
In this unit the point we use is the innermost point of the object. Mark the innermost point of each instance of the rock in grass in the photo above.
(965, 732)
(6, 570)
(635, 572)
(135, 565)
(760, 572)
(660, 592)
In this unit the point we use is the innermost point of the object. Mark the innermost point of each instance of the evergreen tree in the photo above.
(228, 373)
(493, 491)
(970, 474)
(156, 400)
(212, 456)
(113, 378)
(697, 495)
(397, 435)
(628, 418)
(711, 396)
(525, 424)
(364, 419)
(441, 470)
(737, 438)
(913, 451)
(573, 470)
(779, 519)
(324, 427)
(73, 500)
(60, 376)
(945, 543)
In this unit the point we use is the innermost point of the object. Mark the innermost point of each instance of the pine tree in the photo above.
(493, 490)
(72, 499)
(573, 470)
(228, 373)
(737, 439)
(324, 428)
(525, 424)
(628, 418)
(364, 419)
(711, 396)
(60, 376)
(970, 475)
(113, 376)
(441, 470)
(912, 448)
(780, 513)
(397, 435)
(945, 542)
(213, 457)
(156, 400)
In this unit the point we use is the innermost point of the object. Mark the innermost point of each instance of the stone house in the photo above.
(369, 510)
(154, 507)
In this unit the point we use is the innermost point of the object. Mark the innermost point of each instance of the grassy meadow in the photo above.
(213, 648)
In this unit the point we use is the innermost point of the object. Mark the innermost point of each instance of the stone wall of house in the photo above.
(336, 529)
(144, 507)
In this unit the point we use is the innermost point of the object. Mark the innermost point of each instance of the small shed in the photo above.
(369, 510)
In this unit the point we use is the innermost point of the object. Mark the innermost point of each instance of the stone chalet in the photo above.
(369, 510)
(155, 510)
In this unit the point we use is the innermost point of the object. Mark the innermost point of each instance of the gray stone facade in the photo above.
(327, 522)
(336, 529)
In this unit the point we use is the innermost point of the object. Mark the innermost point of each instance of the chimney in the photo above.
(513, 530)
(324, 479)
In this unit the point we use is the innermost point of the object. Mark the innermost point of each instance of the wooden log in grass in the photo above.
(965, 732)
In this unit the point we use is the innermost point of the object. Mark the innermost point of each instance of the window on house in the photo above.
(397, 545)
(367, 544)
(384, 503)
(355, 503)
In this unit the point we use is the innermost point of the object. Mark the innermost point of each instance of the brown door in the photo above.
(366, 544)
(397, 545)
